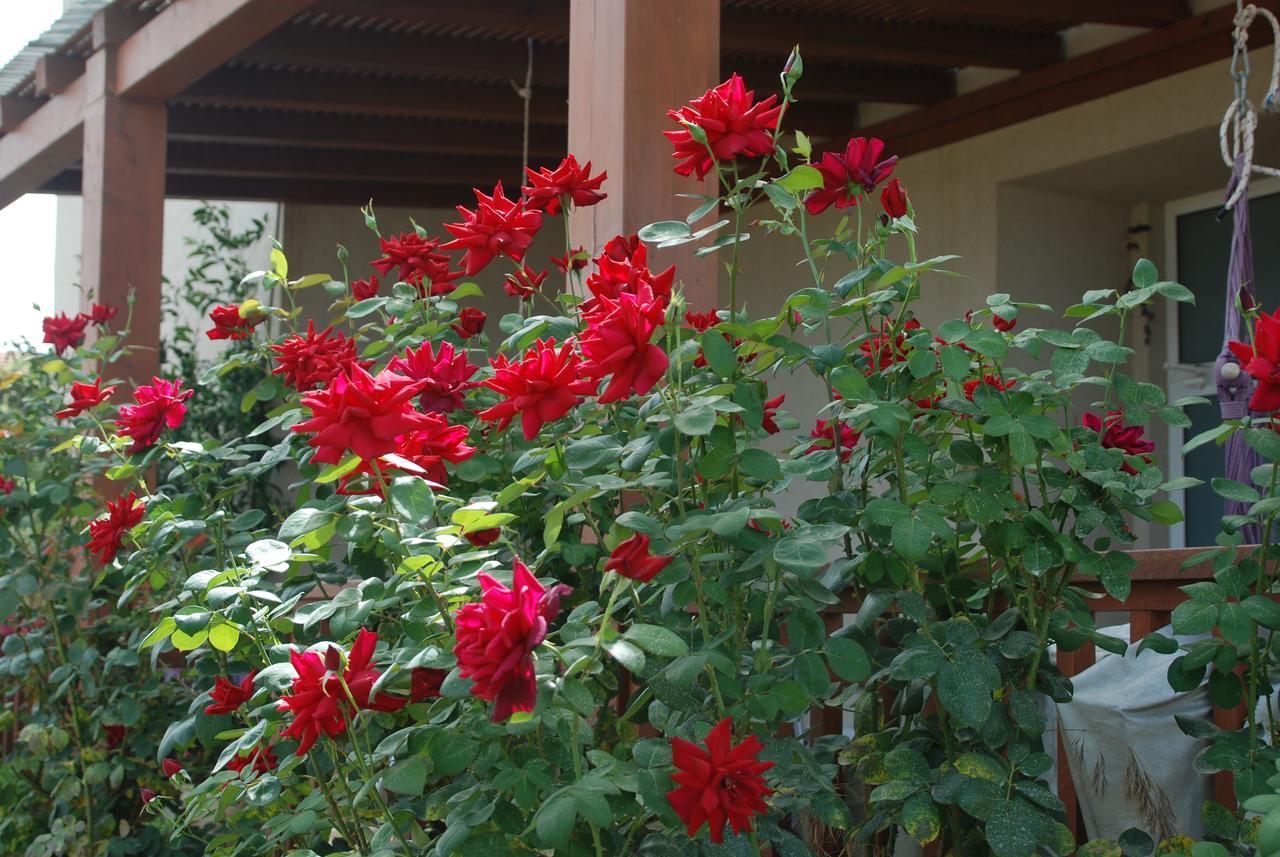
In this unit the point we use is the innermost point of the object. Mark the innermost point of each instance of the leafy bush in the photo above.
(534, 592)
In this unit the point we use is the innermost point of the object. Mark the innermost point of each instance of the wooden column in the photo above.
(123, 188)
(630, 61)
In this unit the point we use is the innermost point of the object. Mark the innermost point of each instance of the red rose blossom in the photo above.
(170, 766)
(311, 360)
(1004, 325)
(894, 199)
(483, 538)
(228, 697)
(498, 227)
(883, 349)
(7, 485)
(719, 784)
(115, 735)
(446, 375)
(321, 698)
(732, 123)
(988, 381)
(159, 406)
(100, 314)
(63, 332)
(107, 534)
(572, 260)
(618, 342)
(361, 414)
(620, 248)
(523, 282)
(846, 176)
(147, 795)
(497, 636)
(84, 397)
(769, 422)
(426, 683)
(702, 321)
(1131, 440)
(418, 261)
(825, 436)
(1261, 360)
(228, 323)
(432, 444)
(470, 322)
(614, 277)
(548, 188)
(544, 385)
(362, 290)
(632, 560)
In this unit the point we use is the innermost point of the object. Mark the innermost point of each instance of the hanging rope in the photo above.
(1236, 133)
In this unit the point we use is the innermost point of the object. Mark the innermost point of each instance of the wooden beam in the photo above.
(394, 134)
(114, 24)
(55, 72)
(43, 144)
(756, 32)
(1185, 45)
(189, 39)
(208, 159)
(233, 87)
(847, 85)
(336, 49)
(123, 227)
(1133, 13)
(306, 191)
(15, 109)
(539, 18)
(629, 62)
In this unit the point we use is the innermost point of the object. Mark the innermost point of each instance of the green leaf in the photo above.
(911, 538)
(657, 640)
(1011, 829)
(1165, 512)
(665, 230)
(719, 353)
(965, 687)
(850, 384)
(955, 362)
(224, 637)
(407, 777)
(803, 177)
(1230, 490)
(848, 659)
(1262, 610)
(627, 654)
(696, 420)
(1144, 273)
(336, 471)
(921, 819)
(812, 674)
(1265, 441)
(800, 554)
(412, 499)
(303, 521)
(554, 819)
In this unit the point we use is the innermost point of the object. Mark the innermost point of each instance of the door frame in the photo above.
(1176, 435)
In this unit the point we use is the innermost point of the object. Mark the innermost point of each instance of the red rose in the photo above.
(434, 443)
(1261, 360)
(620, 248)
(362, 290)
(894, 199)
(1131, 440)
(524, 282)
(147, 795)
(426, 683)
(846, 176)
(107, 534)
(314, 359)
(418, 261)
(228, 697)
(470, 322)
(100, 314)
(543, 386)
(63, 332)
(883, 349)
(547, 188)
(632, 560)
(362, 414)
(228, 323)
(732, 123)
(115, 735)
(572, 259)
(84, 397)
(989, 381)
(497, 636)
(170, 767)
(484, 538)
(769, 422)
(824, 434)
(323, 700)
(618, 342)
(721, 783)
(1002, 324)
(614, 277)
(498, 227)
(7, 485)
(446, 374)
(702, 321)
(159, 405)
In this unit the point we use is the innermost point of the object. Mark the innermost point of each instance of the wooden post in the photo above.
(630, 61)
(123, 188)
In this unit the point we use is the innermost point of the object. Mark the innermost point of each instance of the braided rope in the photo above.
(1240, 122)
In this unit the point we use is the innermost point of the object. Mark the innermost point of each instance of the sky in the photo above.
(27, 225)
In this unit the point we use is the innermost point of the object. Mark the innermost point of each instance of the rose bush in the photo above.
(600, 633)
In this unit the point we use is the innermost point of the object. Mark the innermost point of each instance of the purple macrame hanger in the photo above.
(1234, 393)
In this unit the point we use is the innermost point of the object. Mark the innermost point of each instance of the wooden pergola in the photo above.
(412, 102)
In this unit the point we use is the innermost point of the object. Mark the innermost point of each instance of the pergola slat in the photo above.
(1133, 13)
